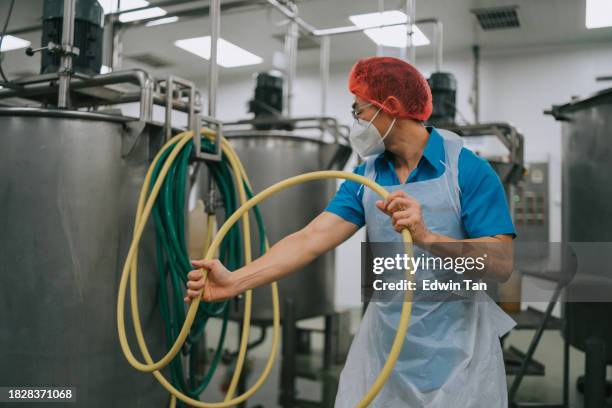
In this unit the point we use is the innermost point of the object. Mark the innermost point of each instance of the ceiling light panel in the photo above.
(394, 36)
(228, 55)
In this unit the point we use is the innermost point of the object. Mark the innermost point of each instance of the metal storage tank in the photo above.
(587, 211)
(270, 156)
(67, 199)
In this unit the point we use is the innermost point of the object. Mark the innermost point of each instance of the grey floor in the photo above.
(533, 389)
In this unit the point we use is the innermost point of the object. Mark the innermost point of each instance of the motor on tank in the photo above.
(267, 103)
(444, 93)
(88, 36)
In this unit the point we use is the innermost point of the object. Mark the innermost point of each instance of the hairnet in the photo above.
(393, 85)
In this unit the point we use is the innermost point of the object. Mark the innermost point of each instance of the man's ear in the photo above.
(393, 106)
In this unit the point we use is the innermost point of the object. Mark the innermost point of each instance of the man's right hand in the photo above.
(219, 284)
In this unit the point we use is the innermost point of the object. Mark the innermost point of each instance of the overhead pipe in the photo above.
(135, 76)
(292, 14)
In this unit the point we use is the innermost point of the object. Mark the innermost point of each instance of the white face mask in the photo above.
(365, 138)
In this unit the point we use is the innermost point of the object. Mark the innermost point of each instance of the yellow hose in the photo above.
(130, 269)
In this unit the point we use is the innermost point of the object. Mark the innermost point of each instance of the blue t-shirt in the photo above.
(484, 209)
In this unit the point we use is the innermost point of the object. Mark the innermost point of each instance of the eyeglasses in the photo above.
(356, 109)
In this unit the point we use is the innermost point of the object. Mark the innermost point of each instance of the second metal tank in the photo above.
(271, 156)
(587, 213)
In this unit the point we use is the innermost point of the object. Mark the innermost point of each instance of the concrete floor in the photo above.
(533, 389)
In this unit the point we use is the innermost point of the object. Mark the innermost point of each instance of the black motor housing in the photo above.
(88, 36)
(444, 92)
(268, 100)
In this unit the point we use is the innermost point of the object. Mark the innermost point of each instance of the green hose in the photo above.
(173, 260)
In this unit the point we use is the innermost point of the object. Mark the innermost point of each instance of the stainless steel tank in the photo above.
(269, 157)
(587, 210)
(67, 200)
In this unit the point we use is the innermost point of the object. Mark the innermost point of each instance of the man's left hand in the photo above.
(405, 212)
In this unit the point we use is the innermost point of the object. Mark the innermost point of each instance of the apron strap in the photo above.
(453, 143)
(370, 173)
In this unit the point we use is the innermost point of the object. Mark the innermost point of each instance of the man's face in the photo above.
(366, 111)
(363, 110)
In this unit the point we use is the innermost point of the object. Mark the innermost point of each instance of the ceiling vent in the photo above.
(149, 59)
(496, 18)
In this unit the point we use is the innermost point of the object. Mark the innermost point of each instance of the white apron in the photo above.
(451, 356)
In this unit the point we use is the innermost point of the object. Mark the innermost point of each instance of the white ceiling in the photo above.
(544, 23)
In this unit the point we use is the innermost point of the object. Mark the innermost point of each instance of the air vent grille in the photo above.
(496, 18)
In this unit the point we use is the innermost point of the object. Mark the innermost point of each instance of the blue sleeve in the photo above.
(484, 208)
(347, 201)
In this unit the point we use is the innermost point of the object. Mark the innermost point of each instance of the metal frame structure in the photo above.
(297, 24)
(506, 133)
(290, 11)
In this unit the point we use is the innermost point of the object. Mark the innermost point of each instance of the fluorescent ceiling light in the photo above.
(228, 55)
(161, 21)
(10, 43)
(110, 6)
(395, 36)
(142, 14)
(598, 13)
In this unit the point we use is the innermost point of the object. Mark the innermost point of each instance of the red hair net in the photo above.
(393, 85)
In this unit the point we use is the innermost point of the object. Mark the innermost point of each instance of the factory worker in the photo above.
(443, 193)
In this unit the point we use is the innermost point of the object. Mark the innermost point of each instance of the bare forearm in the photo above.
(495, 251)
(287, 255)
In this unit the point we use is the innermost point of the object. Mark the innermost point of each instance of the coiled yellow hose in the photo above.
(145, 205)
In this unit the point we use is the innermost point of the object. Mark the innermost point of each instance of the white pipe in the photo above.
(410, 21)
(213, 68)
(324, 61)
(291, 43)
(66, 59)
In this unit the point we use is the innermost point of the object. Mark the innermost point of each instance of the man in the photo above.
(447, 197)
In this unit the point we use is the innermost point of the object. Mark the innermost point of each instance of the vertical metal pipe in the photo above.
(168, 113)
(438, 47)
(410, 19)
(288, 352)
(117, 55)
(291, 43)
(66, 60)
(476, 84)
(213, 68)
(380, 49)
(566, 369)
(324, 66)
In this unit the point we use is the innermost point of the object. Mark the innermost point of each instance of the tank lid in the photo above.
(60, 113)
(603, 97)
